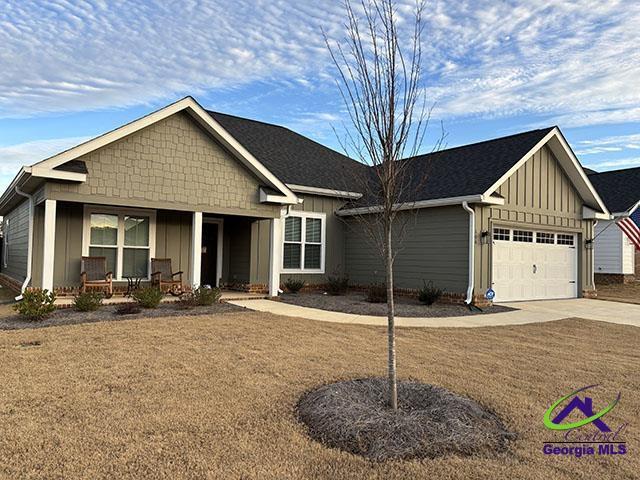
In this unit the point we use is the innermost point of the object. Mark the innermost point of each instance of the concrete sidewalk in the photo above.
(528, 312)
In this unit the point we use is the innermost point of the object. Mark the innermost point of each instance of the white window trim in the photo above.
(121, 212)
(323, 244)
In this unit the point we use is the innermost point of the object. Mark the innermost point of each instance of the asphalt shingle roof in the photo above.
(291, 157)
(619, 189)
(459, 171)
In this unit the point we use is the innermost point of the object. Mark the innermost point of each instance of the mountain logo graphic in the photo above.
(583, 405)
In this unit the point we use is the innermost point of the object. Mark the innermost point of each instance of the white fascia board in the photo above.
(40, 172)
(271, 198)
(567, 160)
(591, 214)
(323, 191)
(200, 115)
(438, 202)
(11, 189)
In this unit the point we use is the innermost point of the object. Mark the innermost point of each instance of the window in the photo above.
(124, 237)
(564, 239)
(542, 237)
(304, 245)
(522, 236)
(501, 234)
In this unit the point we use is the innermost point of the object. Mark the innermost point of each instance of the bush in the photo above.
(293, 285)
(201, 296)
(376, 293)
(337, 284)
(128, 308)
(87, 301)
(148, 297)
(429, 294)
(36, 305)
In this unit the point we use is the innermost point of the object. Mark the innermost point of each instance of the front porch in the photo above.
(231, 251)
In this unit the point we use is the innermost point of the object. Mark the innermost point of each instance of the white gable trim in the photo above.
(205, 120)
(569, 163)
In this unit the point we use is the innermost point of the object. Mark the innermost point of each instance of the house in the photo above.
(241, 202)
(616, 258)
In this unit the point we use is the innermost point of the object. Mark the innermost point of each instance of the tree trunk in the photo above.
(391, 328)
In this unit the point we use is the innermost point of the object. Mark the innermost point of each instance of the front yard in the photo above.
(214, 396)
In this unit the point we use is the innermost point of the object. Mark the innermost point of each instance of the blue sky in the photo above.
(70, 70)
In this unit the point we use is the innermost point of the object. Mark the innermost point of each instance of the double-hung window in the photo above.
(304, 243)
(124, 237)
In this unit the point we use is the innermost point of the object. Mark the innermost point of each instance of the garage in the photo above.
(533, 265)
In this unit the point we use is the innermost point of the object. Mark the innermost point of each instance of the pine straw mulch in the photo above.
(430, 421)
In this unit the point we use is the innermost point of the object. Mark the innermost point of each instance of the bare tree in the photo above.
(380, 79)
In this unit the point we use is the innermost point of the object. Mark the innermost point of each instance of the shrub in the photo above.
(128, 308)
(87, 301)
(429, 294)
(337, 284)
(36, 305)
(148, 297)
(376, 293)
(293, 285)
(201, 296)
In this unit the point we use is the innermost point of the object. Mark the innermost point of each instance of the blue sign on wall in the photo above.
(490, 294)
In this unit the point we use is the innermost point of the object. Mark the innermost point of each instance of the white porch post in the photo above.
(196, 249)
(49, 244)
(275, 256)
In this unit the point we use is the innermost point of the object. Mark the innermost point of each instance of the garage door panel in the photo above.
(533, 271)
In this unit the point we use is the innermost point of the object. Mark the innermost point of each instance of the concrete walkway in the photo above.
(528, 312)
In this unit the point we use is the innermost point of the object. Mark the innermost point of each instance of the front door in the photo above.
(209, 254)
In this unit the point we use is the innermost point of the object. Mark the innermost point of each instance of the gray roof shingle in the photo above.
(619, 189)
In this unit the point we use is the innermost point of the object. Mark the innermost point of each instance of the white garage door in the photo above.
(531, 265)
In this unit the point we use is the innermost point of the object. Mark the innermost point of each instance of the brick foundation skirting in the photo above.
(613, 278)
(10, 283)
(589, 294)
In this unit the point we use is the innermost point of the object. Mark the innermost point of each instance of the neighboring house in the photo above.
(247, 203)
(616, 258)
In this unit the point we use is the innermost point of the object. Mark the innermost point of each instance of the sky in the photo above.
(71, 70)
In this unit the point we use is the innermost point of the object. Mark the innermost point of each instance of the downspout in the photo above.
(593, 256)
(29, 242)
(472, 244)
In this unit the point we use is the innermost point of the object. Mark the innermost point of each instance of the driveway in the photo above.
(528, 312)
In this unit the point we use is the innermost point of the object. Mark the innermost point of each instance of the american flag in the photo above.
(631, 227)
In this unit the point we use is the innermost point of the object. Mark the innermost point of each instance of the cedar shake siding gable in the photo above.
(172, 163)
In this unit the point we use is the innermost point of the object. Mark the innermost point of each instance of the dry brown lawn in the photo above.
(628, 292)
(214, 397)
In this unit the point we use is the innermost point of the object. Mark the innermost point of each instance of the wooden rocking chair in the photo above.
(164, 277)
(94, 275)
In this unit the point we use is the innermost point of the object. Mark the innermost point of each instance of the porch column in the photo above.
(49, 243)
(196, 249)
(275, 256)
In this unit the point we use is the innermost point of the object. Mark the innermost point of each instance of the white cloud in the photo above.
(12, 157)
(573, 62)
(615, 164)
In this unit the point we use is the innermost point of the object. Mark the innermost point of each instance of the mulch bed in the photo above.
(430, 421)
(68, 316)
(405, 307)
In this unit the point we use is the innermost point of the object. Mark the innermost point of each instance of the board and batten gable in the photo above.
(538, 196)
(435, 248)
(170, 164)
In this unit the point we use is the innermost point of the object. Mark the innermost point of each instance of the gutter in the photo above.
(593, 257)
(29, 242)
(472, 242)
(438, 202)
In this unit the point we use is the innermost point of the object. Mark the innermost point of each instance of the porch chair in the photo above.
(93, 274)
(164, 277)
